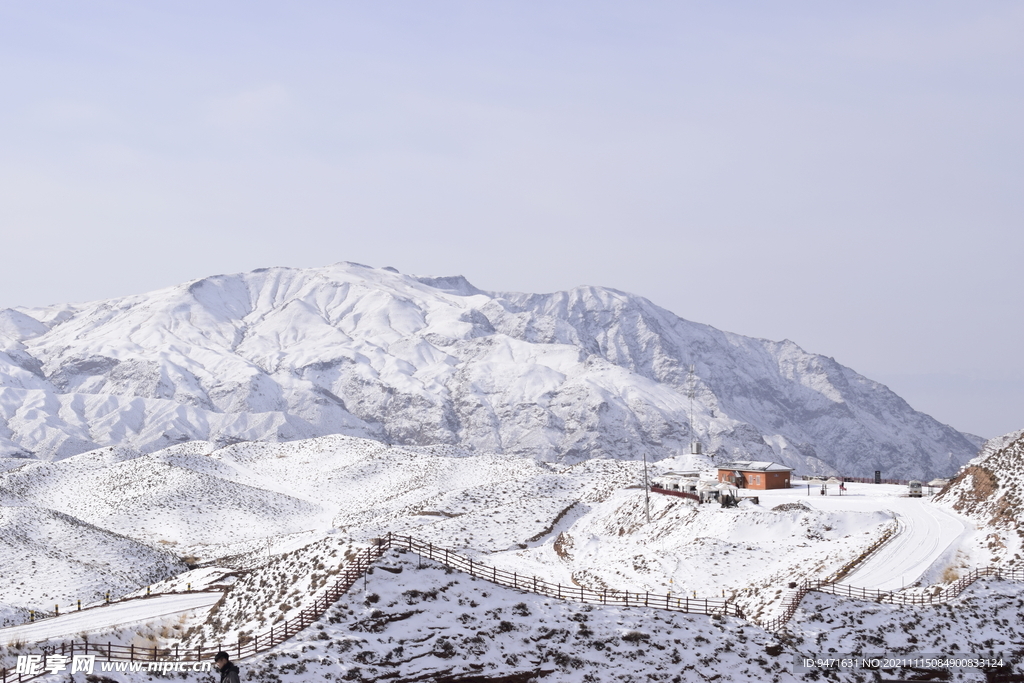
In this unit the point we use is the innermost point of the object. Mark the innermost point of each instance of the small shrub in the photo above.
(520, 609)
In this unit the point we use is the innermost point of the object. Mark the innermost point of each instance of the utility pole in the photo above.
(691, 391)
(647, 491)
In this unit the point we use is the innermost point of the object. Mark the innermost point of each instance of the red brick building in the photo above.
(755, 475)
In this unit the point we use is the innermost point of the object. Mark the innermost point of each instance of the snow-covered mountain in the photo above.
(283, 354)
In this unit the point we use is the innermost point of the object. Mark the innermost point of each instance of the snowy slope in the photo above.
(306, 505)
(988, 490)
(51, 558)
(253, 506)
(282, 354)
(167, 498)
(418, 622)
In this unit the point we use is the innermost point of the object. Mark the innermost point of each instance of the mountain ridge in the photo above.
(283, 354)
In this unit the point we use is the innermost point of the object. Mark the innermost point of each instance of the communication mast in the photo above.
(647, 491)
(691, 391)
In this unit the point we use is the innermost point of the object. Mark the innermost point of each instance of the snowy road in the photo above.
(926, 532)
(109, 616)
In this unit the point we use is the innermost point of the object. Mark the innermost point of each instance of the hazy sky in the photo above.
(846, 175)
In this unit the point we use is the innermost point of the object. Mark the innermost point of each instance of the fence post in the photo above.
(131, 654)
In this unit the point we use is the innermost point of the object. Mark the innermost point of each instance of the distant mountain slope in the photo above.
(282, 354)
(988, 490)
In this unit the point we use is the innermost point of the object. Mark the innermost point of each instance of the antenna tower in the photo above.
(691, 391)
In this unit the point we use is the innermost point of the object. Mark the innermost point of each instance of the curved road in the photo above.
(925, 533)
(107, 617)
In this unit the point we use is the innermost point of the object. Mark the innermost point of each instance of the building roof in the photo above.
(754, 466)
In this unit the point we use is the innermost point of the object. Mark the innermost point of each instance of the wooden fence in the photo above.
(937, 596)
(789, 607)
(533, 584)
(679, 494)
(260, 642)
(871, 480)
(242, 648)
(903, 597)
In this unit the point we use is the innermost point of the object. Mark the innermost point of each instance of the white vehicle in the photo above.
(915, 489)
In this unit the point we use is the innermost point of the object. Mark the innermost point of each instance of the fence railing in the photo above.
(243, 647)
(248, 646)
(670, 492)
(853, 564)
(869, 480)
(936, 596)
(789, 607)
(533, 584)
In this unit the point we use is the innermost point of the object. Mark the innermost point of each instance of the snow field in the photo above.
(414, 620)
(53, 559)
(246, 504)
(409, 621)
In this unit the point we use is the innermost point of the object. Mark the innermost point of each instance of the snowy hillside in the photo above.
(988, 490)
(415, 621)
(283, 354)
(248, 504)
(275, 522)
(51, 558)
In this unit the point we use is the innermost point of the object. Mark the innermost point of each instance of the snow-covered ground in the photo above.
(244, 504)
(416, 621)
(926, 533)
(276, 521)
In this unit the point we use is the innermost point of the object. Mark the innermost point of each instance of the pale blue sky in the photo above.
(848, 177)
